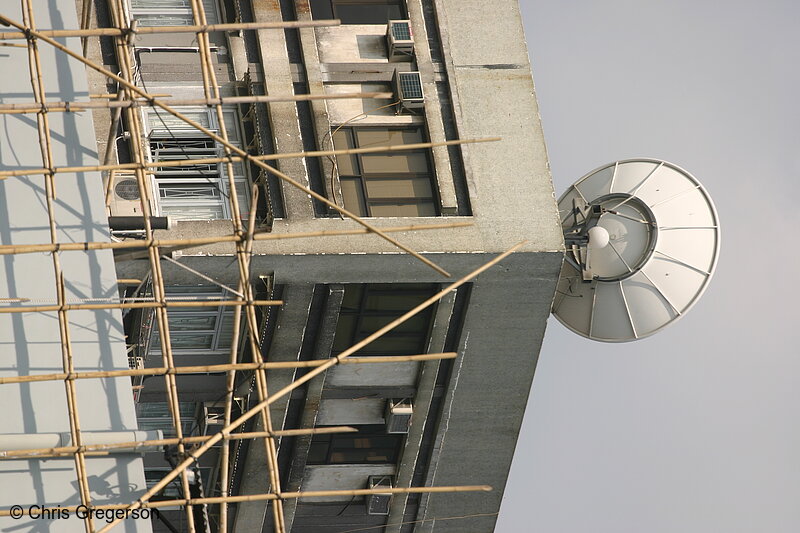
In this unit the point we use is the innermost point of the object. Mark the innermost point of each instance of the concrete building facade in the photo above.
(455, 69)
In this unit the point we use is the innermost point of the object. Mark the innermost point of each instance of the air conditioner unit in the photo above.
(398, 416)
(408, 89)
(399, 40)
(378, 503)
(125, 195)
(135, 362)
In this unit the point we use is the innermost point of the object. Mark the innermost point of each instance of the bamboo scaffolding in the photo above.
(205, 369)
(287, 179)
(284, 495)
(61, 451)
(123, 46)
(147, 30)
(78, 106)
(127, 100)
(196, 453)
(266, 157)
(43, 127)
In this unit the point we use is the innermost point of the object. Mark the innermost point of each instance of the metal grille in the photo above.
(410, 85)
(401, 31)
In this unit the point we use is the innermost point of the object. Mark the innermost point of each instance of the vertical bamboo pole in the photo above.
(133, 118)
(43, 127)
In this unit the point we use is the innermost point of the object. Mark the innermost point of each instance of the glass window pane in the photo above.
(417, 324)
(367, 14)
(396, 300)
(321, 9)
(353, 196)
(387, 137)
(346, 163)
(352, 297)
(192, 322)
(421, 209)
(192, 212)
(344, 332)
(395, 163)
(399, 188)
(388, 345)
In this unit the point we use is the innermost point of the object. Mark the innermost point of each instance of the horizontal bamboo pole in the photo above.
(205, 369)
(267, 157)
(11, 249)
(70, 107)
(272, 496)
(135, 305)
(197, 28)
(62, 451)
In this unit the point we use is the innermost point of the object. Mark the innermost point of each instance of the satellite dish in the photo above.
(642, 239)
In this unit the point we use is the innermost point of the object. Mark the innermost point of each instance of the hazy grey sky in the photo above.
(696, 429)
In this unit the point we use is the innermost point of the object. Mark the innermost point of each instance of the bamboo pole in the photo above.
(204, 369)
(61, 451)
(123, 46)
(272, 496)
(10, 249)
(43, 128)
(287, 179)
(266, 157)
(146, 30)
(196, 453)
(135, 305)
(74, 107)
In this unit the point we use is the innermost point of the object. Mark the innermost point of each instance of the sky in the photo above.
(695, 429)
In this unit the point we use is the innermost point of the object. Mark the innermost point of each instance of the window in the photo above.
(170, 12)
(367, 308)
(156, 415)
(359, 11)
(194, 191)
(201, 330)
(394, 184)
(371, 445)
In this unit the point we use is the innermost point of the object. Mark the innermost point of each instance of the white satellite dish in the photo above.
(642, 239)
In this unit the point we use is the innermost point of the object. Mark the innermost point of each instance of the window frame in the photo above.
(333, 5)
(183, 14)
(161, 419)
(361, 177)
(188, 208)
(357, 332)
(220, 314)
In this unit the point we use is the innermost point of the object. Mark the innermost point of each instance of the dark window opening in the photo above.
(367, 308)
(359, 11)
(371, 445)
